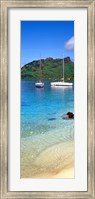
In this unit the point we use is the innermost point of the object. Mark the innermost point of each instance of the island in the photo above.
(52, 69)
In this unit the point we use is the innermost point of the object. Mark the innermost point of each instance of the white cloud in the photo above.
(69, 45)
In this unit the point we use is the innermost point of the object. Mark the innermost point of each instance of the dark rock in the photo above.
(53, 118)
(68, 115)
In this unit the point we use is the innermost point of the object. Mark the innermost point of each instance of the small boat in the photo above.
(62, 83)
(40, 84)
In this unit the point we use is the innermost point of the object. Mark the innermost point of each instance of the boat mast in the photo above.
(63, 67)
(40, 70)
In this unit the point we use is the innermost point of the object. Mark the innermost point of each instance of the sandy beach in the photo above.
(65, 173)
(55, 161)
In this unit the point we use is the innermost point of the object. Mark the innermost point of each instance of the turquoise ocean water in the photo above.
(43, 129)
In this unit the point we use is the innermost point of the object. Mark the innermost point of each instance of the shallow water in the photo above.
(47, 141)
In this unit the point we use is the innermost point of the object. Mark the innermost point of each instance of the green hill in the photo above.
(52, 69)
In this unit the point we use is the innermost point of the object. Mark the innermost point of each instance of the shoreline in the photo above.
(56, 161)
(65, 173)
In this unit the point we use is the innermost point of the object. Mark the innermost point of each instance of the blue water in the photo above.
(47, 140)
(42, 109)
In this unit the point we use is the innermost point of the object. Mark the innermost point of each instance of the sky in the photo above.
(42, 39)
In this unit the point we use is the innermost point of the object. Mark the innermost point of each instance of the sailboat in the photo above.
(40, 84)
(62, 83)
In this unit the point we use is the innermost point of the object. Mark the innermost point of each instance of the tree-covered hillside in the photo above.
(52, 69)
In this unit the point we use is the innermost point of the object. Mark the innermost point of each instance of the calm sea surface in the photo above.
(42, 125)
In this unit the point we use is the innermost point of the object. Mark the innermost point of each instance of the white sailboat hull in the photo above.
(61, 84)
(39, 84)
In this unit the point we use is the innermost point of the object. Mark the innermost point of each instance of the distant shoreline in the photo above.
(36, 79)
